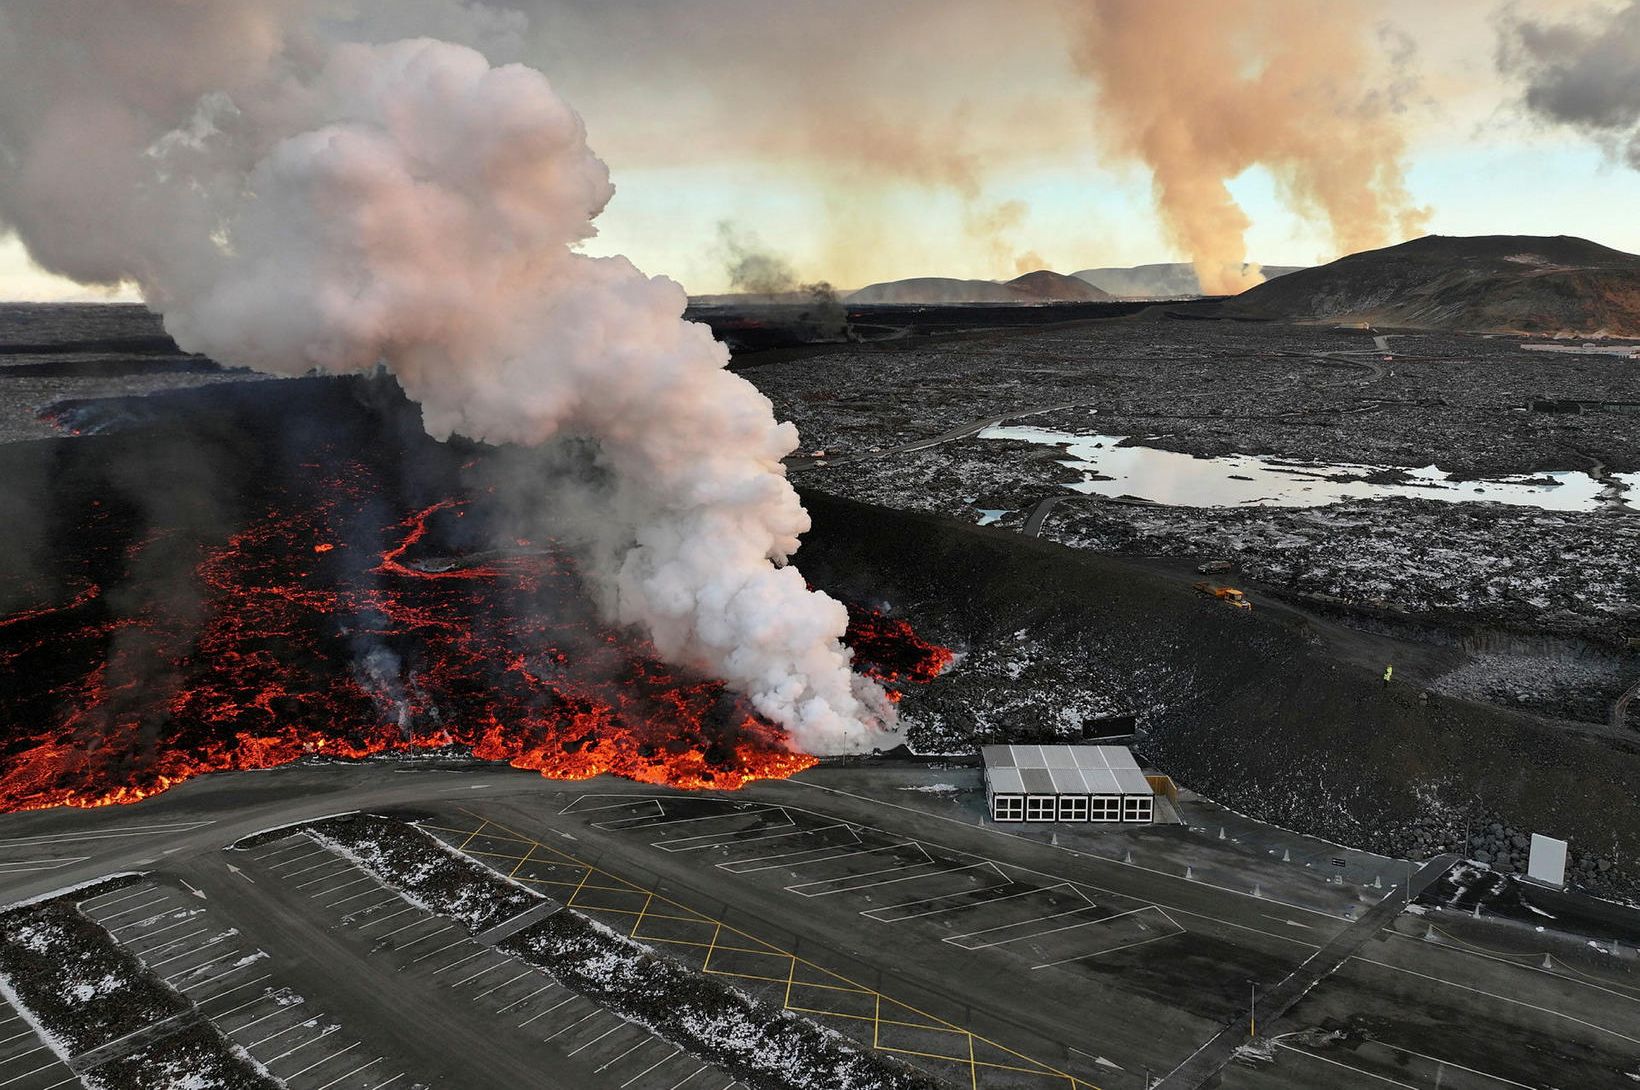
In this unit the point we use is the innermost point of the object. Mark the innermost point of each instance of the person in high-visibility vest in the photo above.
(1389, 672)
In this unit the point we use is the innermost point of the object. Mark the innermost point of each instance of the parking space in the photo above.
(27, 1062)
(971, 903)
(425, 953)
(179, 937)
(827, 862)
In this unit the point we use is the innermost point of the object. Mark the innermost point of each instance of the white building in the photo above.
(1066, 783)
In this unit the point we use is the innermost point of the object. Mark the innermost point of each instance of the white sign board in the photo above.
(1547, 863)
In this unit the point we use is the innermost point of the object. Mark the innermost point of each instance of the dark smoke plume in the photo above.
(1584, 74)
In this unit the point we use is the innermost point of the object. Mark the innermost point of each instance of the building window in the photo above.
(1008, 808)
(1073, 808)
(1106, 808)
(1136, 807)
(1039, 807)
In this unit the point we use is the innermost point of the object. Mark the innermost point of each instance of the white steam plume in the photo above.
(290, 203)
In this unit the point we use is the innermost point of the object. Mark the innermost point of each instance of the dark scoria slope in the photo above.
(1484, 283)
(1263, 711)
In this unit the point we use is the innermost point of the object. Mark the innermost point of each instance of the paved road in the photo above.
(1210, 1059)
(1082, 963)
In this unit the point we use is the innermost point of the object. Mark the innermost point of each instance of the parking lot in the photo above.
(26, 1062)
(969, 902)
(843, 866)
(183, 940)
(432, 958)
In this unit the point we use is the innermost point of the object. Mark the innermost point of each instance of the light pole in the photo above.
(1252, 1011)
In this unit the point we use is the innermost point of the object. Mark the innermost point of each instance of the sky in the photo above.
(863, 141)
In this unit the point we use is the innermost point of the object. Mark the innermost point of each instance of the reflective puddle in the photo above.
(1168, 477)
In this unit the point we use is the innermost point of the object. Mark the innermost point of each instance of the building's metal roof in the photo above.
(1064, 770)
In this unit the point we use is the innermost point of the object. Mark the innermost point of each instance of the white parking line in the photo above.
(628, 824)
(326, 1033)
(644, 1040)
(147, 952)
(126, 912)
(146, 935)
(392, 916)
(520, 1002)
(414, 923)
(440, 950)
(798, 887)
(478, 974)
(331, 862)
(230, 991)
(350, 1074)
(734, 840)
(687, 1077)
(355, 913)
(353, 896)
(291, 843)
(18, 866)
(770, 862)
(217, 1017)
(327, 1059)
(133, 830)
(333, 889)
(600, 1037)
(9, 1040)
(258, 1021)
(125, 895)
(202, 983)
(329, 855)
(173, 978)
(49, 1063)
(572, 998)
(190, 951)
(308, 1022)
(651, 1067)
(1021, 923)
(318, 849)
(389, 1082)
(480, 952)
(595, 1013)
(892, 881)
(503, 984)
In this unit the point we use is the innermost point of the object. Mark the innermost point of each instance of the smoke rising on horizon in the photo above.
(1202, 92)
(289, 202)
(1581, 74)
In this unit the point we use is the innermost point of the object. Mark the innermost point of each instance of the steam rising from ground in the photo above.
(291, 203)
(1202, 92)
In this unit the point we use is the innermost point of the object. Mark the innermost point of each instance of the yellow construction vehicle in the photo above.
(1229, 595)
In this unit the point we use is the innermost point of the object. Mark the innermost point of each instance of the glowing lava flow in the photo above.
(295, 639)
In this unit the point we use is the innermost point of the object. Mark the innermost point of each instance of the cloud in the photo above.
(1583, 73)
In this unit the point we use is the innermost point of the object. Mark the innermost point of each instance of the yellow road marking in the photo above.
(1038, 1068)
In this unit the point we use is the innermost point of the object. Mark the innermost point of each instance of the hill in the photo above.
(1041, 286)
(1170, 280)
(1482, 283)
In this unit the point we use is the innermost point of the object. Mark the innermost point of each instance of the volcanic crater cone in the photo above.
(1482, 283)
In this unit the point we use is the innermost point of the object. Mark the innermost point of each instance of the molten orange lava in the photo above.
(293, 649)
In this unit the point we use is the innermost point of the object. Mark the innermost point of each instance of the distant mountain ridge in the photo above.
(1041, 286)
(1168, 280)
(1481, 283)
